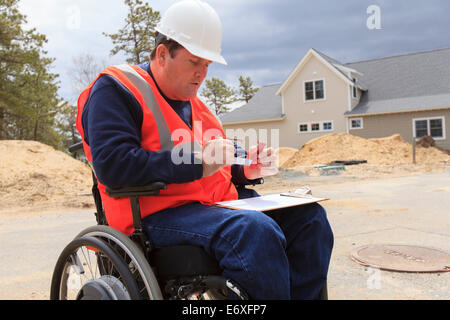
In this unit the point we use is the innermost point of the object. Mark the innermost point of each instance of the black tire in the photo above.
(104, 254)
(130, 253)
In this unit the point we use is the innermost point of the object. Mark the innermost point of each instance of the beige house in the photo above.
(407, 95)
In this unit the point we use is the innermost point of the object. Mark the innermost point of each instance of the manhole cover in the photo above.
(402, 258)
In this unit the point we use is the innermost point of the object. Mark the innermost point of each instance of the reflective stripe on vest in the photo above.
(159, 125)
(147, 93)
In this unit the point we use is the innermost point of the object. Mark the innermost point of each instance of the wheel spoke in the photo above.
(88, 263)
(120, 258)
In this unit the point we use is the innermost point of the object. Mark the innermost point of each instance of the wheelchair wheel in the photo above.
(133, 257)
(89, 269)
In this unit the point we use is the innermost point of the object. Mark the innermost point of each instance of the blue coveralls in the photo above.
(281, 255)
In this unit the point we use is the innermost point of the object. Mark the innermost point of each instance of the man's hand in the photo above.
(265, 162)
(217, 154)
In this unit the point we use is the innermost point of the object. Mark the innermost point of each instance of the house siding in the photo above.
(380, 126)
(264, 131)
(297, 111)
(380, 77)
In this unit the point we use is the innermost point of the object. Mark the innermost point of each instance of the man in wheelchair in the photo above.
(138, 121)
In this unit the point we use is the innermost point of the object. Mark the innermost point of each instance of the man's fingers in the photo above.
(219, 151)
(268, 157)
(261, 146)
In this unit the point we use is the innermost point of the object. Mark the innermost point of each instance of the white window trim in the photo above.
(428, 126)
(332, 126)
(350, 123)
(314, 84)
(349, 94)
(310, 123)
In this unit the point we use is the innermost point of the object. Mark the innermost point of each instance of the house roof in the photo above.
(265, 105)
(418, 81)
(404, 83)
(343, 69)
(407, 104)
(334, 65)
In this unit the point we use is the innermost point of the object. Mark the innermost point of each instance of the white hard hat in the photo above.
(196, 26)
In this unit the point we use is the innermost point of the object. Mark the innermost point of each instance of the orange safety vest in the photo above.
(160, 124)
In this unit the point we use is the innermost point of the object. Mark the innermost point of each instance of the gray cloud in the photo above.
(275, 35)
(264, 39)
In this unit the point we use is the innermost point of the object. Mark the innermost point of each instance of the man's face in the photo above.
(184, 74)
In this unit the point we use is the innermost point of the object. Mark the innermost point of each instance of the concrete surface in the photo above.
(412, 210)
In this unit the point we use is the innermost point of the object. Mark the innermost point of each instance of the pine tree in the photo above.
(136, 39)
(17, 48)
(28, 90)
(246, 90)
(67, 117)
(218, 95)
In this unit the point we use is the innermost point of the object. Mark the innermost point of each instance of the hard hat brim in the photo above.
(195, 50)
(204, 54)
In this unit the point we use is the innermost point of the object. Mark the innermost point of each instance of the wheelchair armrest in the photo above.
(152, 189)
(251, 183)
(76, 147)
(257, 181)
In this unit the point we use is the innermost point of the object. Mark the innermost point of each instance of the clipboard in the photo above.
(270, 202)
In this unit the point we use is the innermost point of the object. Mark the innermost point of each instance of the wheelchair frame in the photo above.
(200, 278)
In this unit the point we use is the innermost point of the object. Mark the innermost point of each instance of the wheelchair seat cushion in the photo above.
(183, 261)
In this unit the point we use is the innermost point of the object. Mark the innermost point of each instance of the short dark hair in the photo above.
(170, 44)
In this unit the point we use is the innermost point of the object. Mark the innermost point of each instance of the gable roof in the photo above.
(404, 83)
(334, 65)
(265, 105)
(339, 66)
(417, 81)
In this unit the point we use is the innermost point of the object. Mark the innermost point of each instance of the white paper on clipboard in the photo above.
(243, 161)
(268, 202)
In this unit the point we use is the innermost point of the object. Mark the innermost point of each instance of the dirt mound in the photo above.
(393, 150)
(32, 173)
(285, 154)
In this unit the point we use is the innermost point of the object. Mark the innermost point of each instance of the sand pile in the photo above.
(32, 173)
(388, 151)
(285, 154)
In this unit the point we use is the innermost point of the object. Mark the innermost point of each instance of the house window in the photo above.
(320, 93)
(429, 127)
(327, 126)
(303, 128)
(309, 91)
(436, 128)
(421, 128)
(354, 90)
(356, 123)
(322, 126)
(314, 90)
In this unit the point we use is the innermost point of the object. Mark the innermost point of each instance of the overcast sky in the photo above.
(263, 39)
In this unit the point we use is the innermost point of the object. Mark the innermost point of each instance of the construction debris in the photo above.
(426, 142)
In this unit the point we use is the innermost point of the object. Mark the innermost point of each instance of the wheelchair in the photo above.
(101, 263)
